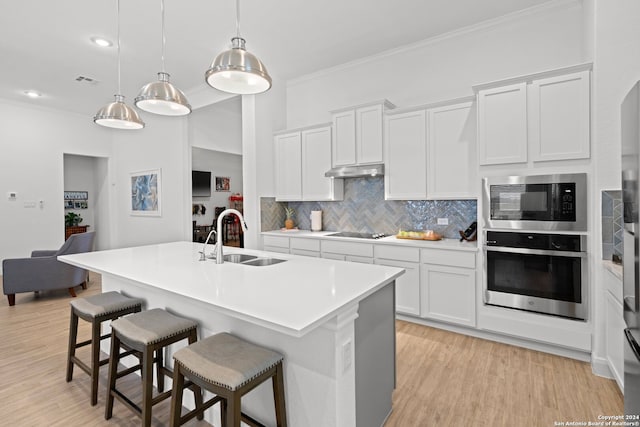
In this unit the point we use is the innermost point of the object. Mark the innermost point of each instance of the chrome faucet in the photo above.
(224, 213)
(203, 255)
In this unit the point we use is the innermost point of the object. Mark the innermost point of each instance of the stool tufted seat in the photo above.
(229, 367)
(150, 327)
(148, 333)
(103, 304)
(226, 360)
(96, 309)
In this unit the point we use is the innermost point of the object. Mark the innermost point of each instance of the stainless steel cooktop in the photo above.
(358, 235)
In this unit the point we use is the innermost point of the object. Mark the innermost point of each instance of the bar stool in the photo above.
(95, 310)
(148, 332)
(229, 367)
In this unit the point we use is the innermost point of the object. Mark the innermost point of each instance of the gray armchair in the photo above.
(44, 272)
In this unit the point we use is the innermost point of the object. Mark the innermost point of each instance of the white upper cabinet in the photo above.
(559, 117)
(502, 124)
(405, 176)
(358, 135)
(344, 138)
(539, 117)
(451, 153)
(288, 151)
(316, 160)
(302, 158)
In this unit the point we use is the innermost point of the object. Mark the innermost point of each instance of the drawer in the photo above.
(397, 253)
(347, 248)
(306, 244)
(280, 242)
(276, 249)
(447, 257)
(305, 252)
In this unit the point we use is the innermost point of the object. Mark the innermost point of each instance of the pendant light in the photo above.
(117, 114)
(236, 70)
(162, 97)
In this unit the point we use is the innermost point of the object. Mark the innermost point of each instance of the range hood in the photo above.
(356, 171)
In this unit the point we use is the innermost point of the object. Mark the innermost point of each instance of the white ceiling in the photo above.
(45, 45)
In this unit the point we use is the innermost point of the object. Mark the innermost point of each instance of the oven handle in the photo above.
(528, 251)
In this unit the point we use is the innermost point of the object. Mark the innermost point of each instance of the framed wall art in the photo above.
(76, 199)
(222, 183)
(146, 193)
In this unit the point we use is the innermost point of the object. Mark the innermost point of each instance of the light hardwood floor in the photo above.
(443, 379)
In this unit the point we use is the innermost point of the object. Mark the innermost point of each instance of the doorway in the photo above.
(87, 194)
(215, 136)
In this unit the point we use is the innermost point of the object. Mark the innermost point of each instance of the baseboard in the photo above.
(504, 339)
(600, 367)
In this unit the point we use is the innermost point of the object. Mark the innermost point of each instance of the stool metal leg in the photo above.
(73, 336)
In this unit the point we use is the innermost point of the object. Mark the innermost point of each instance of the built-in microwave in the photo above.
(536, 202)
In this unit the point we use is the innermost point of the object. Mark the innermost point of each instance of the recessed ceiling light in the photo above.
(102, 42)
(32, 93)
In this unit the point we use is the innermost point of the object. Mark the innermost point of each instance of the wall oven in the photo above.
(540, 272)
(537, 202)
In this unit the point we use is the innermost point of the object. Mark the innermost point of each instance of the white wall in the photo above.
(163, 145)
(446, 67)
(218, 126)
(34, 141)
(219, 164)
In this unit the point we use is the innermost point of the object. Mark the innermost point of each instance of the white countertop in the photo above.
(292, 297)
(454, 244)
(615, 269)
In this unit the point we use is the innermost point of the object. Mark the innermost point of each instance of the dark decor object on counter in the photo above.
(470, 234)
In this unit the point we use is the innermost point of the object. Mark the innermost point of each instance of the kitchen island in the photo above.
(334, 321)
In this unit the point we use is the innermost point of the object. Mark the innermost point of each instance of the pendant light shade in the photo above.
(117, 114)
(236, 70)
(162, 97)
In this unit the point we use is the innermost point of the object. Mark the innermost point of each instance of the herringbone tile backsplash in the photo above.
(365, 210)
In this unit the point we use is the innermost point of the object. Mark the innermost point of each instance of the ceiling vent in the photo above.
(85, 79)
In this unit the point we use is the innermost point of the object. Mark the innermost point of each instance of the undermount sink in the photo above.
(238, 258)
(261, 262)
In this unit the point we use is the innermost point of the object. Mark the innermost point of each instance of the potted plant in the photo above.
(72, 219)
(289, 212)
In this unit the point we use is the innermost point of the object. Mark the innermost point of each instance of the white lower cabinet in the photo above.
(275, 244)
(407, 285)
(448, 286)
(306, 247)
(614, 327)
(347, 251)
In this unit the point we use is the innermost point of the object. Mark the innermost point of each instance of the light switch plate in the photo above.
(12, 195)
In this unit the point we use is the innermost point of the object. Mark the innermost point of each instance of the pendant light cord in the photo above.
(118, 34)
(163, 38)
(238, 18)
